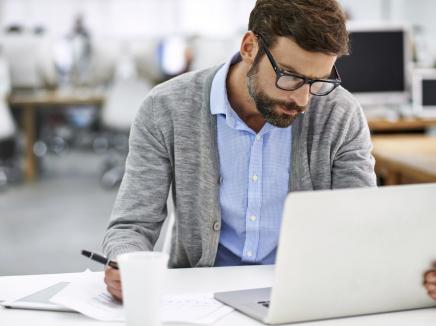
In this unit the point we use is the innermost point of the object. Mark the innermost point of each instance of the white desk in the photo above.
(187, 280)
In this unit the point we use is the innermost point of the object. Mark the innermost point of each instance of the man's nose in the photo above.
(301, 95)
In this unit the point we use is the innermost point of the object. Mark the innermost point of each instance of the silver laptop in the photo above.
(346, 253)
(40, 300)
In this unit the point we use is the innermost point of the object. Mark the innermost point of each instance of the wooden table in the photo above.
(403, 124)
(402, 159)
(30, 101)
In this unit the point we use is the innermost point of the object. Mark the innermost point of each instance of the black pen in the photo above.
(100, 259)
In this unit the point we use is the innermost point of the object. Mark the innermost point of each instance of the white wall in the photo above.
(419, 14)
(121, 18)
(216, 18)
(363, 10)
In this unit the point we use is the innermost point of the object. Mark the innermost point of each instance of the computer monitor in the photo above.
(424, 92)
(377, 69)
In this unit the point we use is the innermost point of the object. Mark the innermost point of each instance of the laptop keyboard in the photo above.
(264, 303)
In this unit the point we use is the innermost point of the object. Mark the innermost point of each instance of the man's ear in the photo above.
(249, 48)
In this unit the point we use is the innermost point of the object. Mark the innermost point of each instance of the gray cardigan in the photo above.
(173, 142)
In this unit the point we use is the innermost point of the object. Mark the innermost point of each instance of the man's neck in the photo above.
(240, 100)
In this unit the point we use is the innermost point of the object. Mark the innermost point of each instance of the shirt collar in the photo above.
(219, 101)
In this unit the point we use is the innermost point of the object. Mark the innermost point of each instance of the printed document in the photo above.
(88, 295)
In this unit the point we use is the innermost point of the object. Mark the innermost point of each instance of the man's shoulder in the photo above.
(335, 114)
(340, 102)
(181, 101)
(337, 107)
(186, 85)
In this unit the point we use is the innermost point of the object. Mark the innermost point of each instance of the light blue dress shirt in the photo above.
(254, 172)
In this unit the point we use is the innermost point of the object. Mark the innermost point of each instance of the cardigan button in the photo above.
(217, 226)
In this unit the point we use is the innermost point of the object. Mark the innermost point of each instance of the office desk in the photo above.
(188, 281)
(30, 101)
(402, 159)
(403, 124)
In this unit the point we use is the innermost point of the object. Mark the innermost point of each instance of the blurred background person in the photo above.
(80, 39)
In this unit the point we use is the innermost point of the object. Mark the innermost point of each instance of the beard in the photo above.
(268, 106)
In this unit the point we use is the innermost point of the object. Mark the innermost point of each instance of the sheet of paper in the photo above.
(17, 287)
(90, 297)
(193, 308)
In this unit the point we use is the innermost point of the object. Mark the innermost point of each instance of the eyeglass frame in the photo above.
(280, 72)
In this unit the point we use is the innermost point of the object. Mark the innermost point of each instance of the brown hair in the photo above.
(315, 25)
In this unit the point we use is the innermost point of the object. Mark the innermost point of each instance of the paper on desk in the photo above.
(193, 308)
(90, 297)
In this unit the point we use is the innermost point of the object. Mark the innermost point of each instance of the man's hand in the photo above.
(430, 283)
(112, 279)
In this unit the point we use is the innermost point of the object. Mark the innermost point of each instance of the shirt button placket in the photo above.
(252, 226)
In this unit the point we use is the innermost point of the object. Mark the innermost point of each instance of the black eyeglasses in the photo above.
(290, 82)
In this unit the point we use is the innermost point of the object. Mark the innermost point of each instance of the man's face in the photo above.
(280, 108)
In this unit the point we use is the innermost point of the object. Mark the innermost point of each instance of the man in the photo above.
(234, 140)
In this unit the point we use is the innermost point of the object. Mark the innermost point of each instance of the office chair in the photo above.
(163, 243)
(210, 51)
(8, 165)
(8, 169)
(104, 55)
(30, 60)
(145, 54)
(123, 101)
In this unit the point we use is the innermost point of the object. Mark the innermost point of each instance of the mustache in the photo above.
(290, 106)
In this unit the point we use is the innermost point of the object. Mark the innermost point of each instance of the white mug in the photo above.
(142, 279)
